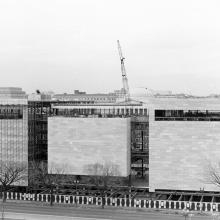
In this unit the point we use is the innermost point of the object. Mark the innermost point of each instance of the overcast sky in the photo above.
(71, 44)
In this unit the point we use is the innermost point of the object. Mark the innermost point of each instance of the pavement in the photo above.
(25, 211)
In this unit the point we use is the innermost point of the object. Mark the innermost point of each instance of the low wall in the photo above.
(117, 202)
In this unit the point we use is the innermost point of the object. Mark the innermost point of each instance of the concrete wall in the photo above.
(180, 151)
(75, 143)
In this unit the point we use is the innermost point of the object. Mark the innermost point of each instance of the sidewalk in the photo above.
(25, 216)
(111, 208)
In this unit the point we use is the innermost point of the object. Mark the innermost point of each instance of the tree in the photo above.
(12, 173)
(213, 174)
(48, 178)
(101, 175)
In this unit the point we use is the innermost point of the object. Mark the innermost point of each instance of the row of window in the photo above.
(102, 112)
(10, 110)
(187, 115)
(87, 98)
(98, 99)
(42, 110)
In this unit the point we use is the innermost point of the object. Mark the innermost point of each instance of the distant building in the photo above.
(82, 96)
(162, 92)
(77, 92)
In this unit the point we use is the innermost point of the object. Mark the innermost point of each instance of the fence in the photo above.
(117, 202)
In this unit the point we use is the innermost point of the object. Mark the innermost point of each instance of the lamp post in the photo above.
(52, 192)
(76, 183)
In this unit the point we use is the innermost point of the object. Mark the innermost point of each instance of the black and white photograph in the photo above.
(109, 110)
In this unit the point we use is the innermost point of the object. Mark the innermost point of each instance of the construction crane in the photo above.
(123, 71)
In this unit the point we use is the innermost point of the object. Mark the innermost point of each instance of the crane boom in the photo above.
(124, 75)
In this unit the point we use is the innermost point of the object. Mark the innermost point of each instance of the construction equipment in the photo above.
(124, 76)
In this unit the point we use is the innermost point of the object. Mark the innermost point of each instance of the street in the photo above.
(37, 212)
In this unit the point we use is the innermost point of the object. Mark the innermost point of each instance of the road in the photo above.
(37, 212)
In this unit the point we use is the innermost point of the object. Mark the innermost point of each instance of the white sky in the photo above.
(71, 44)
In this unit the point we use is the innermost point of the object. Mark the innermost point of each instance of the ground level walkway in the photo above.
(38, 211)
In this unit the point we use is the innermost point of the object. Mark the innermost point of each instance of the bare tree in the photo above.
(101, 175)
(48, 178)
(12, 173)
(213, 174)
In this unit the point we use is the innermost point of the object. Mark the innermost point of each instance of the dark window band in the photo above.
(110, 113)
(10, 112)
(187, 115)
(11, 116)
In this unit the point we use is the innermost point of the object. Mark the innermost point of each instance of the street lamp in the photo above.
(76, 183)
(52, 187)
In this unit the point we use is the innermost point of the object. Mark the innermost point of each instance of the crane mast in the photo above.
(124, 75)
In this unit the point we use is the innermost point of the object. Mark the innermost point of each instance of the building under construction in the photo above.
(73, 135)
